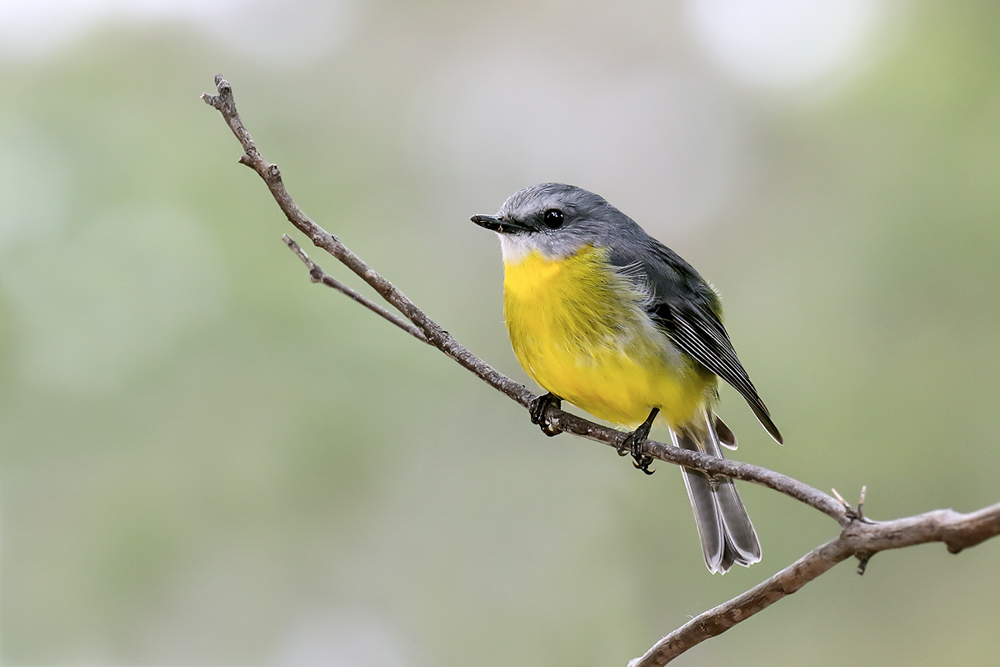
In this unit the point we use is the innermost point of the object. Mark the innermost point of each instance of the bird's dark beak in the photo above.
(487, 221)
(497, 225)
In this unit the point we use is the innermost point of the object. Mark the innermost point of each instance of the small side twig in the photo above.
(318, 275)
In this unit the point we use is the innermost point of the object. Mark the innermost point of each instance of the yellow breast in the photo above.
(580, 331)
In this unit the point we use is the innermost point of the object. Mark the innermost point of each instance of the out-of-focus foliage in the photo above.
(206, 460)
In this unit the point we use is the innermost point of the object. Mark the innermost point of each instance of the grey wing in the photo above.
(684, 307)
(699, 334)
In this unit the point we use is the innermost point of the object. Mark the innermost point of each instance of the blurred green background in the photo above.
(206, 460)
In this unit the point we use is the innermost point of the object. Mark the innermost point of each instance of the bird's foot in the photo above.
(537, 411)
(632, 444)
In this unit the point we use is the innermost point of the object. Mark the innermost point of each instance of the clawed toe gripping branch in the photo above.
(859, 537)
(633, 442)
(538, 411)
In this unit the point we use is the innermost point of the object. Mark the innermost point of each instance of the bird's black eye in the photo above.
(553, 218)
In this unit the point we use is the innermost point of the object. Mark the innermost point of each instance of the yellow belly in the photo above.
(580, 331)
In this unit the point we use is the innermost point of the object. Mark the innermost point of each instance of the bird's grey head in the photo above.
(557, 220)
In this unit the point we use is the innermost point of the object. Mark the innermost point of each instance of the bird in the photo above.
(608, 318)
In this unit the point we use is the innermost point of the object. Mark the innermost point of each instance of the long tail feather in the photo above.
(727, 535)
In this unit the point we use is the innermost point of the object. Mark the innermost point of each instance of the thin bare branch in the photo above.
(271, 176)
(860, 539)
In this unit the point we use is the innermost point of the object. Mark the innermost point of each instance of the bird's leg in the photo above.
(632, 444)
(537, 411)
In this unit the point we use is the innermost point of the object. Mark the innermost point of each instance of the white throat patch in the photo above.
(515, 247)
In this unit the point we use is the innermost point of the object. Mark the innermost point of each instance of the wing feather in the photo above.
(687, 310)
(698, 333)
